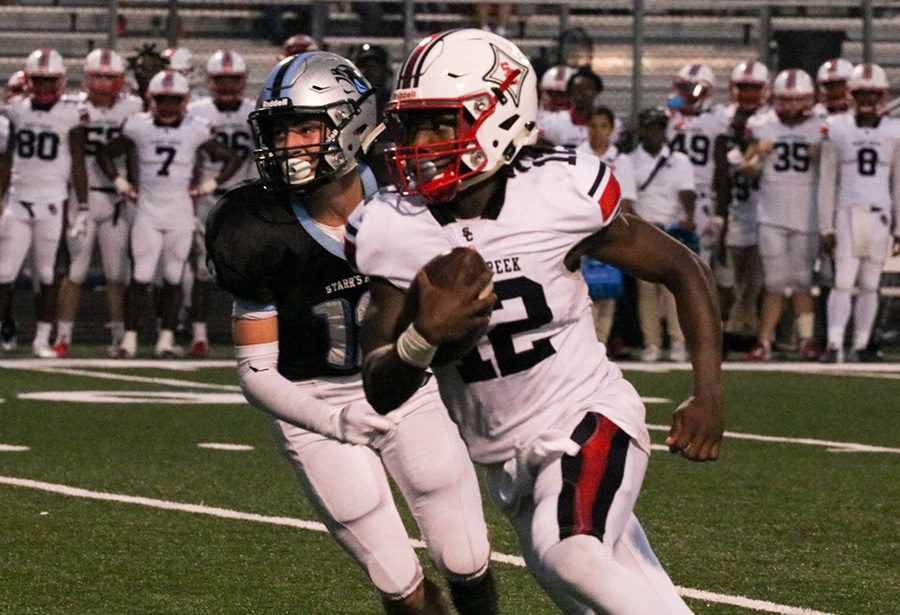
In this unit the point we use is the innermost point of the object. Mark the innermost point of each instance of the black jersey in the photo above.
(262, 247)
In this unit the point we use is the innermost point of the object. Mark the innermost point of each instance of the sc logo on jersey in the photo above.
(467, 233)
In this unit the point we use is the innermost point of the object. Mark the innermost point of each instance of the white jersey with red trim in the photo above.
(234, 132)
(540, 360)
(787, 186)
(695, 137)
(42, 160)
(561, 128)
(166, 159)
(865, 156)
(105, 123)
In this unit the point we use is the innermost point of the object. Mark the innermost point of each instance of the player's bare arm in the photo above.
(688, 201)
(895, 200)
(754, 157)
(443, 315)
(106, 155)
(6, 164)
(219, 152)
(644, 251)
(77, 139)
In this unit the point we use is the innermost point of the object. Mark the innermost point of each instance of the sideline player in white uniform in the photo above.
(598, 143)
(858, 187)
(560, 430)
(569, 126)
(695, 125)
(105, 222)
(45, 154)
(226, 110)
(15, 87)
(784, 154)
(162, 148)
(276, 245)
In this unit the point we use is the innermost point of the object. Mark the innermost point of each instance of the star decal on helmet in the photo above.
(508, 71)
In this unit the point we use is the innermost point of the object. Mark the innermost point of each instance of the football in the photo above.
(456, 266)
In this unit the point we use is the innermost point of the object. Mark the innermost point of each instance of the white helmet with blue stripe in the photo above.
(312, 85)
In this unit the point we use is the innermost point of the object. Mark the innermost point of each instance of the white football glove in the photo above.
(358, 423)
(78, 228)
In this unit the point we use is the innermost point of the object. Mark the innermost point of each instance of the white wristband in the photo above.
(208, 186)
(415, 349)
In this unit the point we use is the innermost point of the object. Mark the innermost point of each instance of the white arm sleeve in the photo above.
(828, 171)
(268, 390)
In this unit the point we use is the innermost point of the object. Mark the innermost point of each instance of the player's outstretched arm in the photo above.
(256, 352)
(77, 141)
(644, 251)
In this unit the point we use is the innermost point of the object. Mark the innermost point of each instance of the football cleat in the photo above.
(8, 335)
(809, 350)
(61, 348)
(199, 349)
(168, 351)
(759, 352)
(651, 354)
(832, 355)
(43, 351)
(864, 355)
(677, 352)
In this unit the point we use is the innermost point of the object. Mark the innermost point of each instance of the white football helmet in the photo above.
(693, 88)
(45, 72)
(490, 86)
(180, 59)
(16, 85)
(104, 75)
(226, 77)
(168, 93)
(868, 85)
(554, 82)
(316, 85)
(831, 79)
(793, 95)
(749, 85)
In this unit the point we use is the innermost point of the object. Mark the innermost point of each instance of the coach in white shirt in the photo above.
(665, 197)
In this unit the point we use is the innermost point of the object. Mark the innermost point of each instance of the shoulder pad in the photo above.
(239, 241)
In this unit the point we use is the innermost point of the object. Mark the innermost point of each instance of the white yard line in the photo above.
(225, 513)
(129, 378)
(222, 446)
(12, 448)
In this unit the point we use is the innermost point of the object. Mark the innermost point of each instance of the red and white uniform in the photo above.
(621, 165)
(519, 380)
(232, 130)
(39, 185)
(695, 136)
(109, 221)
(164, 221)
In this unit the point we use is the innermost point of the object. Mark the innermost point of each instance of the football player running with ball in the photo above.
(560, 431)
(161, 149)
(277, 246)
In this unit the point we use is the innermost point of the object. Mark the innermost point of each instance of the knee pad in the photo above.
(461, 560)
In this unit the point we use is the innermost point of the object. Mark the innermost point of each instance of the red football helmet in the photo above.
(226, 77)
(299, 43)
(104, 76)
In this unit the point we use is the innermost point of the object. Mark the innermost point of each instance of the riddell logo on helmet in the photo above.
(406, 94)
(277, 102)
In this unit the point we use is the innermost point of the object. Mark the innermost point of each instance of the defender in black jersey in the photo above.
(277, 246)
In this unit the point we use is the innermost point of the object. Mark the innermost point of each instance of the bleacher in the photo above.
(675, 32)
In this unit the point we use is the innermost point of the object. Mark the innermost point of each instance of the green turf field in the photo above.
(114, 508)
